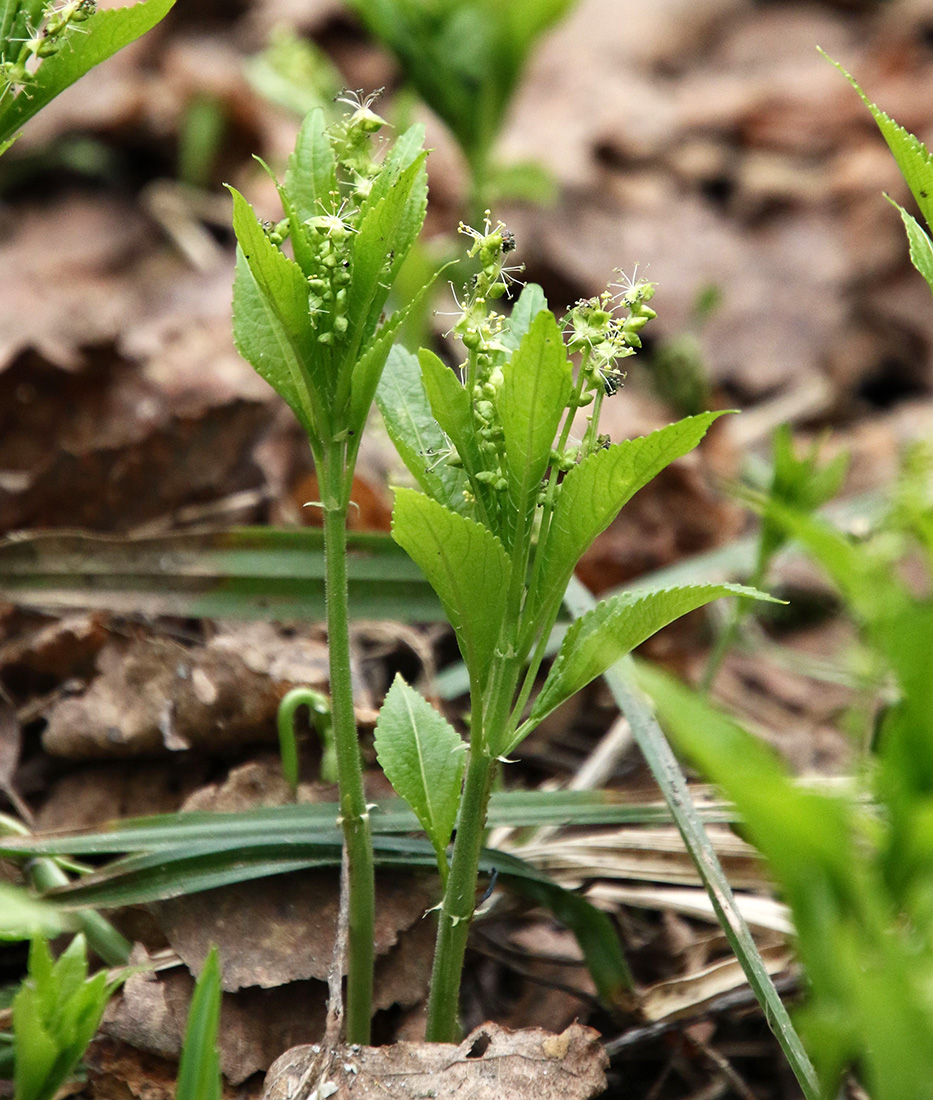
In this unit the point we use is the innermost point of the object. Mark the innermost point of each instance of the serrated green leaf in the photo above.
(271, 326)
(531, 403)
(921, 247)
(267, 345)
(368, 368)
(385, 234)
(450, 404)
(462, 560)
(530, 303)
(594, 491)
(422, 756)
(99, 37)
(614, 628)
(912, 156)
(311, 177)
(199, 1068)
(418, 438)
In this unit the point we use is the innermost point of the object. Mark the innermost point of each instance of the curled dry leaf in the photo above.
(491, 1063)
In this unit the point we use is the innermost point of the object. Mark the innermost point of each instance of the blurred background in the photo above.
(705, 141)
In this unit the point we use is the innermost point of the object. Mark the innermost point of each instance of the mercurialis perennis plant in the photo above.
(509, 502)
(510, 498)
(312, 324)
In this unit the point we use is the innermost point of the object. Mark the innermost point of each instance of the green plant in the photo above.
(802, 484)
(46, 45)
(199, 1068)
(55, 1014)
(508, 506)
(857, 873)
(855, 868)
(465, 59)
(313, 327)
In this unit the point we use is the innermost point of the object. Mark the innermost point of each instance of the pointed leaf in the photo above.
(614, 628)
(384, 237)
(101, 36)
(367, 370)
(531, 404)
(913, 158)
(530, 303)
(423, 758)
(271, 323)
(418, 438)
(275, 353)
(921, 247)
(450, 404)
(199, 1069)
(593, 493)
(311, 178)
(467, 567)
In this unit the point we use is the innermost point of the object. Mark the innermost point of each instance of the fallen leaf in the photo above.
(285, 931)
(154, 695)
(491, 1063)
(255, 1024)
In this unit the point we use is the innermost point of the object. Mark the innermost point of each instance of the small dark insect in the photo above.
(508, 241)
(611, 383)
(923, 194)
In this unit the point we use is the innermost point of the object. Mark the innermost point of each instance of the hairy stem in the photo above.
(353, 810)
(456, 911)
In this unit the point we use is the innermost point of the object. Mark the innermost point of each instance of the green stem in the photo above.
(456, 912)
(727, 635)
(354, 813)
(100, 934)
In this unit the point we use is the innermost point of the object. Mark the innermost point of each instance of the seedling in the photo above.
(55, 1016)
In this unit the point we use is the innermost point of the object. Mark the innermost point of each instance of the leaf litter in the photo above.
(118, 350)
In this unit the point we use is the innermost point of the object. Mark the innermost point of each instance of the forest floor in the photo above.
(706, 141)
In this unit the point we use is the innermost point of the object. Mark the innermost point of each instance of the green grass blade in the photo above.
(283, 825)
(667, 772)
(199, 1069)
(138, 880)
(242, 573)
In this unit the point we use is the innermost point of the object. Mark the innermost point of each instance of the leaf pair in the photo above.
(916, 164)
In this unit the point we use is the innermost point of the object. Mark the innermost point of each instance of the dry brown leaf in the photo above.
(284, 931)
(154, 695)
(118, 1071)
(255, 1024)
(40, 654)
(492, 1063)
(688, 995)
(89, 796)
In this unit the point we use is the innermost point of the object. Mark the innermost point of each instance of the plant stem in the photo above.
(727, 635)
(456, 911)
(354, 813)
